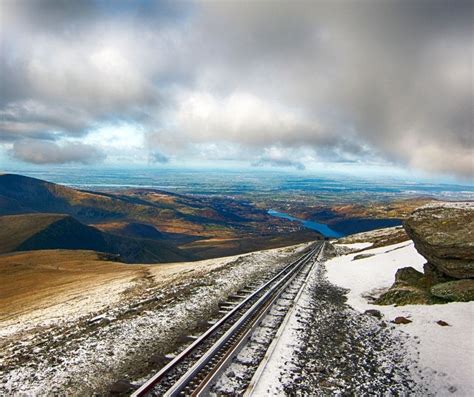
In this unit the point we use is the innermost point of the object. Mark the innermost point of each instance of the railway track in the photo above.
(194, 371)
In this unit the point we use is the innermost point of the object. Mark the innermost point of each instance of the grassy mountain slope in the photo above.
(35, 195)
(55, 231)
(39, 279)
(168, 212)
(15, 230)
(148, 214)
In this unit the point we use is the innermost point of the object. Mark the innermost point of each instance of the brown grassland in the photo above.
(34, 279)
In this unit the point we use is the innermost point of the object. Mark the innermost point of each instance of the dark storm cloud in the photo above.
(43, 152)
(351, 81)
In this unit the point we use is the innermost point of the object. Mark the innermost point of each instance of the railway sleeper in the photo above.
(227, 304)
(236, 297)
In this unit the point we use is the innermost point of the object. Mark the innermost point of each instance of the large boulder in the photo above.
(410, 288)
(458, 291)
(408, 276)
(444, 234)
(432, 275)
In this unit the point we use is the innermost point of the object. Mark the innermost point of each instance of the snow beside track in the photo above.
(354, 246)
(446, 353)
(66, 354)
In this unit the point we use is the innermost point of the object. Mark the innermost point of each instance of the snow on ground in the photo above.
(354, 246)
(71, 356)
(446, 353)
(327, 348)
(464, 205)
(361, 276)
(269, 379)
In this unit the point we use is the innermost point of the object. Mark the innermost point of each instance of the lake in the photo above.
(325, 230)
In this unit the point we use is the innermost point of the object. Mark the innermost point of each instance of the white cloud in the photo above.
(44, 152)
(241, 117)
(349, 81)
(279, 157)
(117, 137)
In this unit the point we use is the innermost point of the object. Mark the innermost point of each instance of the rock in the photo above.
(444, 234)
(408, 276)
(442, 323)
(404, 295)
(408, 289)
(432, 275)
(362, 256)
(374, 313)
(120, 387)
(458, 291)
(401, 320)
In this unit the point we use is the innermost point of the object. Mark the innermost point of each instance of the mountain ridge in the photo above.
(201, 227)
(40, 231)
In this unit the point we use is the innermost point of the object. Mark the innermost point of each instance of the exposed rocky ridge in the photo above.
(378, 237)
(444, 234)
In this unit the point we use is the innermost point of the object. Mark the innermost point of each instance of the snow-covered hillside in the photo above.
(446, 362)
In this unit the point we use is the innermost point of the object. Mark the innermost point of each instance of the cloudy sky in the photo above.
(291, 84)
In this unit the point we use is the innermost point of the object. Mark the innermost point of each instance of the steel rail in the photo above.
(262, 308)
(148, 386)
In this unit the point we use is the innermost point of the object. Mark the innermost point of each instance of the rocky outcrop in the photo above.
(401, 320)
(459, 291)
(410, 288)
(444, 234)
(433, 276)
(408, 276)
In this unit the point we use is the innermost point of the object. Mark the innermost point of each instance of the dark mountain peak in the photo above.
(10, 181)
(41, 231)
(22, 194)
(32, 195)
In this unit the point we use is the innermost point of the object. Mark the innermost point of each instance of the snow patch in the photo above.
(354, 246)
